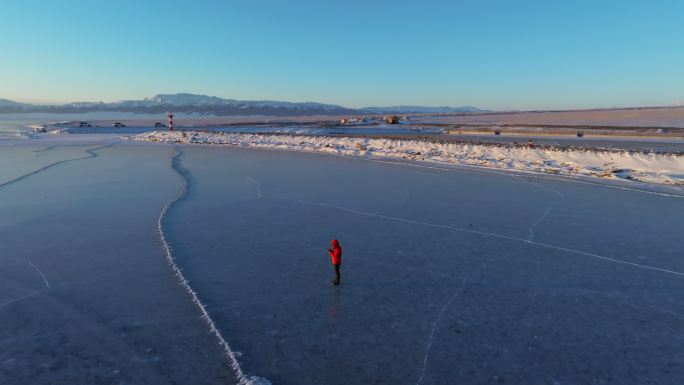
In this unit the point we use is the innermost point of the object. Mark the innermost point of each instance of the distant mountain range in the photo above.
(5, 103)
(212, 105)
(421, 110)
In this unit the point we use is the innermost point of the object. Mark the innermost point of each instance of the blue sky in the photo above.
(493, 54)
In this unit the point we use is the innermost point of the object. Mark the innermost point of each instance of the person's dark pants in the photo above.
(336, 281)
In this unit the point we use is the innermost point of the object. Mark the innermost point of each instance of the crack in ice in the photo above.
(47, 284)
(258, 185)
(531, 229)
(398, 219)
(407, 195)
(45, 281)
(560, 194)
(28, 262)
(494, 235)
(446, 305)
(48, 148)
(91, 154)
(515, 174)
(230, 354)
(434, 327)
(21, 298)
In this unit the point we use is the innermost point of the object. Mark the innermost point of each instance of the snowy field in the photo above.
(629, 117)
(449, 275)
(639, 166)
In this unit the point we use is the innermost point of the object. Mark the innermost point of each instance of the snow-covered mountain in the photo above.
(203, 100)
(421, 110)
(185, 99)
(187, 103)
(212, 105)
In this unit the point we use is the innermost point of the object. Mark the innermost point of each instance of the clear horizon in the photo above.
(496, 55)
(40, 102)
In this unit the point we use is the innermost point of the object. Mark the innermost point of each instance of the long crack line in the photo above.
(91, 154)
(230, 354)
(493, 235)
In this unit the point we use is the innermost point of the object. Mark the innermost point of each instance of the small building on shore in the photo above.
(392, 119)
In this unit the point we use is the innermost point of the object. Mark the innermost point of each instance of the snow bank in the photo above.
(617, 164)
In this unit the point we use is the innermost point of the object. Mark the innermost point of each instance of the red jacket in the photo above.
(335, 252)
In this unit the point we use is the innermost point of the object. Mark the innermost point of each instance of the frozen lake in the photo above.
(448, 276)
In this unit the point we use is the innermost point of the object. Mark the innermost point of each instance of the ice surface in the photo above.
(440, 282)
(168, 251)
(113, 312)
(448, 275)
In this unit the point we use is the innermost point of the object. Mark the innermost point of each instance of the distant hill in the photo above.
(9, 103)
(421, 110)
(212, 105)
(186, 103)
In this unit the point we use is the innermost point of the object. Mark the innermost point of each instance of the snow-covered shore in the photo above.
(647, 167)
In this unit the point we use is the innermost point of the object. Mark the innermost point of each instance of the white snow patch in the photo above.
(615, 164)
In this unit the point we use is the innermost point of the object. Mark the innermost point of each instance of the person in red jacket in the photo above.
(336, 255)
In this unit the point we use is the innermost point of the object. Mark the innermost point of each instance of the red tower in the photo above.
(170, 116)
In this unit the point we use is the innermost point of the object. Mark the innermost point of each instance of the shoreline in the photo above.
(602, 174)
(610, 164)
(627, 138)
